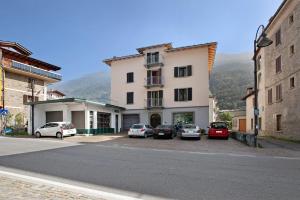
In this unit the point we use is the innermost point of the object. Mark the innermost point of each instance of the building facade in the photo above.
(163, 85)
(279, 74)
(88, 117)
(55, 94)
(24, 79)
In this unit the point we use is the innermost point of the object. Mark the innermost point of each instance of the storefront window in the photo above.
(183, 118)
(103, 120)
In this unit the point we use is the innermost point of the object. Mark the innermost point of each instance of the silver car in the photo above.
(142, 130)
(190, 131)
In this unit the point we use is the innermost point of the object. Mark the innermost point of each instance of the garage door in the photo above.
(242, 125)
(130, 119)
(78, 119)
(54, 116)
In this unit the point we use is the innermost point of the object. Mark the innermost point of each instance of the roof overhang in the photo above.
(74, 100)
(167, 45)
(16, 46)
(30, 59)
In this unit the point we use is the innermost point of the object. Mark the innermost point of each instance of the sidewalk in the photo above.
(15, 189)
(280, 147)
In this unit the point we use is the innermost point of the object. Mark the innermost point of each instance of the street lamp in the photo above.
(261, 42)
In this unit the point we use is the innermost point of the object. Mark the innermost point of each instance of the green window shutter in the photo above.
(189, 70)
(190, 94)
(175, 71)
(175, 94)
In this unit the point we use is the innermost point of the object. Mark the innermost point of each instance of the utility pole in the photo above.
(32, 105)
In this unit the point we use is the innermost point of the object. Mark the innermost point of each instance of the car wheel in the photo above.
(130, 136)
(154, 137)
(198, 138)
(171, 136)
(59, 135)
(38, 134)
(145, 135)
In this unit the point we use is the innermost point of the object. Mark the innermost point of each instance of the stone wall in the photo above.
(289, 106)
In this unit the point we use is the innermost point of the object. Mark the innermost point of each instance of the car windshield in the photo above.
(165, 126)
(189, 126)
(137, 126)
(219, 125)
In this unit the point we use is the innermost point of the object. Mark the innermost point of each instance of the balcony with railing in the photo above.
(154, 81)
(36, 71)
(154, 103)
(154, 60)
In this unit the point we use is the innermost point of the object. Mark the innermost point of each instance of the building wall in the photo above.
(235, 122)
(249, 114)
(16, 86)
(200, 115)
(289, 107)
(199, 82)
(197, 57)
(67, 108)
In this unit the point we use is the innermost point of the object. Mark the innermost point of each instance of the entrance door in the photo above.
(242, 125)
(117, 123)
(155, 120)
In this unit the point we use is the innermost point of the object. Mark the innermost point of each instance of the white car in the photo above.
(142, 130)
(57, 129)
(190, 131)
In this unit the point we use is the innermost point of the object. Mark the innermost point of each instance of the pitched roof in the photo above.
(16, 46)
(142, 49)
(212, 46)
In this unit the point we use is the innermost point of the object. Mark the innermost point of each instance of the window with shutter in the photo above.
(175, 94)
(278, 37)
(130, 97)
(278, 64)
(175, 71)
(189, 70)
(190, 94)
(130, 77)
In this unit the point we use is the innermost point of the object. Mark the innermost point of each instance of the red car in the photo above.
(218, 130)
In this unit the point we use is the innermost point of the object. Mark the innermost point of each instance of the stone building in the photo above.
(279, 74)
(23, 78)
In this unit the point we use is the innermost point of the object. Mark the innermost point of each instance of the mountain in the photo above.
(94, 87)
(230, 77)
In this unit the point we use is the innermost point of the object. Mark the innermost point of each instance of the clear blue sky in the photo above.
(78, 34)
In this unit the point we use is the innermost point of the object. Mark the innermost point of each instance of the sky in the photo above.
(78, 34)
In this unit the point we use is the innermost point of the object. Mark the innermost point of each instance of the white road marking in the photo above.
(78, 189)
(199, 153)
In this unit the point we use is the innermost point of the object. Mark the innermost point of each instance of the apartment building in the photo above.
(163, 85)
(279, 74)
(24, 79)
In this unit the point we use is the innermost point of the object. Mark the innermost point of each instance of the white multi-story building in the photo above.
(163, 85)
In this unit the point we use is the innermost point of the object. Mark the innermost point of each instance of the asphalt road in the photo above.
(168, 173)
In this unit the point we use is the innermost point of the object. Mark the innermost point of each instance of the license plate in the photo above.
(219, 131)
(191, 131)
(161, 134)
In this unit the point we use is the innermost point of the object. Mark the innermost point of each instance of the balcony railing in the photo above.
(154, 61)
(154, 103)
(35, 70)
(154, 81)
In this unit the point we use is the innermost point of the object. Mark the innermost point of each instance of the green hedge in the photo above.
(96, 131)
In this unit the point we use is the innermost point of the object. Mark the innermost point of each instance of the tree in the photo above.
(225, 116)
(19, 120)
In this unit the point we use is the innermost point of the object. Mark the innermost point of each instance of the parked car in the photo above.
(168, 131)
(190, 131)
(218, 130)
(58, 129)
(143, 130)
